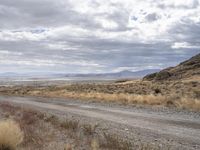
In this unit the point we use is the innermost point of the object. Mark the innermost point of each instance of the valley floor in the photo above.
(184, 94)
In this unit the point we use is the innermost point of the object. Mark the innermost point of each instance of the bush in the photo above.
(70, 124)
(10, 135)
(157, 91)
(163, 75)
(197, 94)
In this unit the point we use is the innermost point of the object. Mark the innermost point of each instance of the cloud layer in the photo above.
(97, 35)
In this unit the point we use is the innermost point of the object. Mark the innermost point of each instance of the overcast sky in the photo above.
(97, 35)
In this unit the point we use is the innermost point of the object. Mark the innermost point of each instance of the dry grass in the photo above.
(124, 98)
(193, 104)
(31, 123)
(10, 135)
(180, 93)
(151, 99)
(115, 143)
(95, 144)
(115, 97)
(70, 125)
(89, 129)
(68, 147)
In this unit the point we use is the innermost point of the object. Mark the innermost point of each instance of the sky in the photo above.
(96, 36)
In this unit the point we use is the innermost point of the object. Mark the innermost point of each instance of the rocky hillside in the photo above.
(186, 69)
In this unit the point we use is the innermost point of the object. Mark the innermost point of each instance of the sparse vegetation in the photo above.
(115, 143)
(95, 144)
(40, 129)
(89, 129)
(197, 94)
(70, 125)
(10, 135)
(52, 119)
(168, 93)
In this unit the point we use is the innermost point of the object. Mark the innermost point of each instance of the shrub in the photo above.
(114, 142)
(157, 91)
(10, 135)
(163, 75)
(70, 124)
(197, 94)
(90, 129)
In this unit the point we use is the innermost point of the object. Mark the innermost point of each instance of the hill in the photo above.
(186, 69)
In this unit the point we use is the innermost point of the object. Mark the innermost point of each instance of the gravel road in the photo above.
(180, 129)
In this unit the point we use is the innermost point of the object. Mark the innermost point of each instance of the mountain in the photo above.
(13, 75)
(186, 69)
(117, 75)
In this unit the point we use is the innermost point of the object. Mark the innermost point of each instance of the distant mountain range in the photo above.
(117, 75)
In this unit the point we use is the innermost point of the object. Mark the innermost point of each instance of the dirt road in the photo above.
(180, 129)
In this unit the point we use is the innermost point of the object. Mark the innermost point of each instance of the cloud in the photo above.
(97, 35)
(187, 4)
(6, 52)
(185, 45)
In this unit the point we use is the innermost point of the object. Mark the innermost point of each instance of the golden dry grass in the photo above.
(189, 103)
(10, 135)
(180, 93)
(126, 98)
(121, 98)
(95, 144)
